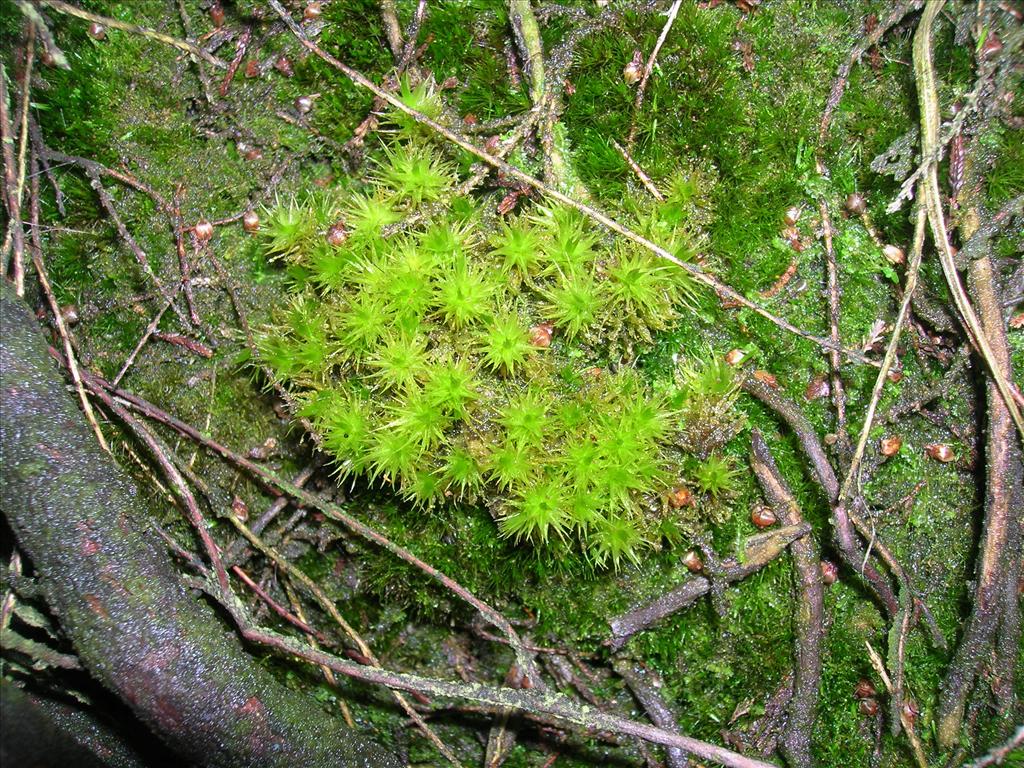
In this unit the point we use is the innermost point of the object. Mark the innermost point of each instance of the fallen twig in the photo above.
(759, 550)
(648, 68)
(183, 45)
(809, 613)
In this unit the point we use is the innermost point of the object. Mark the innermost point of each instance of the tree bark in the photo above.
(118, 596)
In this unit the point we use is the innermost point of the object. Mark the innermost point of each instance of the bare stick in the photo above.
(537, 703)
(758, 551)
(58, 317)
(644, 178)
(832, 280)
(810, 611)
(182, 45)
(272, 481)
(392, 28)
(332, 610)
(150, 330)
(928, 100)
(645, 685)
(15, 235)
(698, 274)
(853, 473)
(648, 68)
(26, 100)
(908, 727)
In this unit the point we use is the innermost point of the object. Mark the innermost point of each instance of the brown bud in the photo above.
(817, 388)
(97, 31)
(693, 562)
(890, 446)
(792, 215)
(856, 204)
(313, 11)
(449, 83)
(868, 707)
(492, 144)
(469, 119)
(991, 46)
(240, 509)
(540, 335)
(865, 689)
(735, 356)
(217, 15)
(680, 496)
(762, 516)
(940, 452)
(46, 57)
(303, 105)
(568, 88)
(252, 68)
(767, 378)
(284, 66)
(203, 230)
(829, 572)
(69, 314)
(894, 254)
(1017, 321)
(251, 221)
(632, 73)
(830, 439)
(337, 234)
(593, 373)
(911, 711)
(894, 376)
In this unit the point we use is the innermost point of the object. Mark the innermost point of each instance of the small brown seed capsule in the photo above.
(735, 356)
(97, 31)
(449, 83)
(767, 378)
(856, 204)
(991, 46)
(693, 562)
(910, 711)
(865, 689)
(252, 68)
(680, 496)
(894, 254)
(762, 516)
(817, 388)
(792, 215)
(69, 314)
(1017, 321)
(284, 66)
(632, 73)
(830, 439)
(895, 376)
(337, 234)
(868, 707)
(890, 446)
(940, 452)
(217, 15)
(303, 105)
(540, 335)
(251, 221)
(240, 508)
(470, 119)
(492, 144)
(829, 572)
(203, 230)
(46, 58)
(313, 11)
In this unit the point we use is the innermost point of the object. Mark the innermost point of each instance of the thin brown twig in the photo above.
(275, 606)
(183, 45)
(331, 609)
(334, 512)
(14, 238)
(58, 316)
(908, 727)
(25, 101)
(696, 272)
(150, 330)
(832, 283)
(640, 174)
(648, 68)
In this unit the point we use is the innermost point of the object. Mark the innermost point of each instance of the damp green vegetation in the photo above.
(518, 398)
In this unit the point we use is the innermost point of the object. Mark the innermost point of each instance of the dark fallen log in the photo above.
(118, 597)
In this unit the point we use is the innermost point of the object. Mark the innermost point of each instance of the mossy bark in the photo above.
(74, 512)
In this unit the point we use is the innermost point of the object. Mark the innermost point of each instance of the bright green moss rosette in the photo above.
(488, 360)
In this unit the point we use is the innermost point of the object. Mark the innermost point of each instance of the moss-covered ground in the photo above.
(738, 95)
